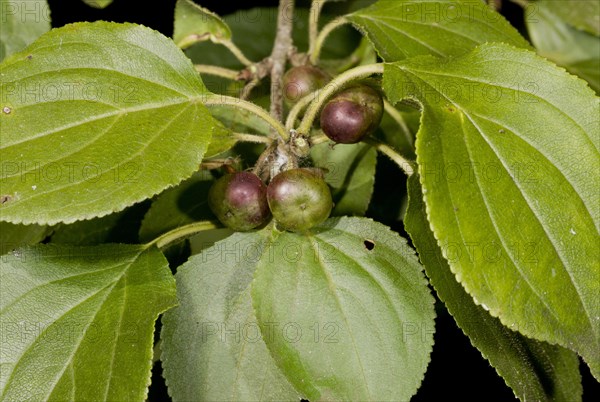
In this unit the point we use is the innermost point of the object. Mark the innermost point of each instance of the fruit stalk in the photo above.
(181, 233)
(315, 51)
(223, 100)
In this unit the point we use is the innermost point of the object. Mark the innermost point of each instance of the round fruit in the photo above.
(352, 114)
(239, 200)
(299, 199)
(302, 80)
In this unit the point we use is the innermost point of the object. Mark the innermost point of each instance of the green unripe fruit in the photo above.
(239, 200)
(352, 114)
(301, 81)
(299, 199)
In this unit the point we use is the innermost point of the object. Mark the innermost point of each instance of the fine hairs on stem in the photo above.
(315, 51)
(399, 119)
(298, 108)
(236, 51)
(279, 56)
(217, 71)
(223, 100)
(258, 139)
(313, 23)
(403, 163)
(181, 233)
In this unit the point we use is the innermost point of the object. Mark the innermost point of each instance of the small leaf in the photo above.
(195, 24)
(345, 311)
(14, 236)
(178, 206)
(95, 117)
(22, 23)
(577, 51)
(78, 322)
(536, 371)
(505, 150)
(350, 172)
(582, 14)
(405, 28)
(98, 3)
(212, 347)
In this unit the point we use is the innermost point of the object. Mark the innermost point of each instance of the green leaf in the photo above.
(400, 132)
(505, 150)
(536, 371)
(195, 24)
(120, 227)
(15, 236)
(363, 54)
(221, 140)
(555, 39)
(178, 206)
(95, 117)
(208, 238)
(405, 28)
(254, 31)
(240, 120)
(78, 322)
(22, 23)
(582, 14)
(345, 311)
(577, 51)
(350, 174)
(212, 348)
(89, 232)
(589, 70)
(98, 3)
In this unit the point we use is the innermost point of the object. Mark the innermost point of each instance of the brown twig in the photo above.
(279, 55)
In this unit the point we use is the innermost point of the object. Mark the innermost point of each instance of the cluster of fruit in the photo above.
(299, 198)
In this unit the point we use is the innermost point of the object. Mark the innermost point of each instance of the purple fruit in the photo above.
(352, 114)
(239, 200)
(301, 81)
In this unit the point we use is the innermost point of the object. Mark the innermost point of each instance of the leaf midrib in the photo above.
(333, 291)
(75, 182)
(492, 218)
(549, 236)
(412, 70)
(523, 138)
(588, 316)
(118, 113)
(70, 360)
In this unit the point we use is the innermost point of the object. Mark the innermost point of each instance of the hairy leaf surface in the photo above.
(536, 371)
(212, 347)
(506, 150)
(78, 322)
(22, 22)
(345, 311)
(402, 29)
(95, 117)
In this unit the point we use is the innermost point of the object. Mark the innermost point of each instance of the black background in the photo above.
(457, 371)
